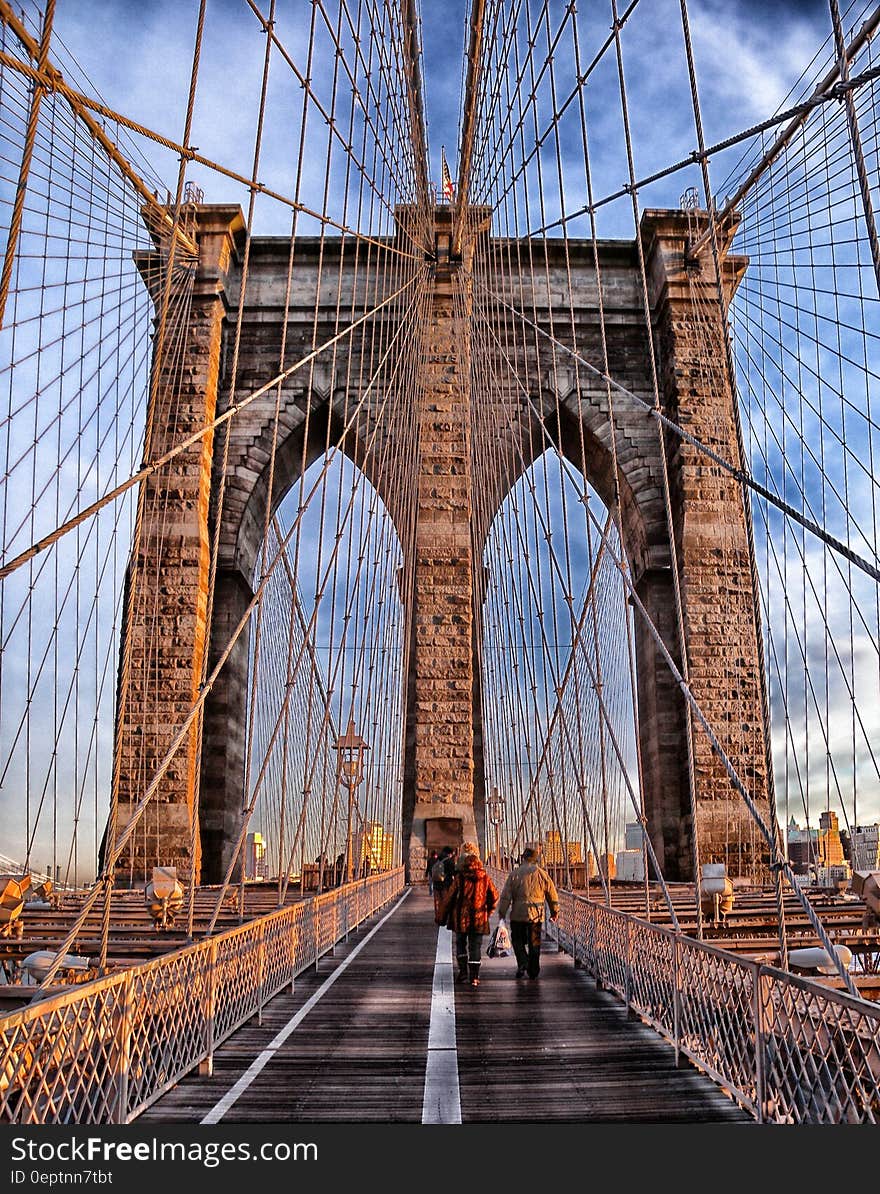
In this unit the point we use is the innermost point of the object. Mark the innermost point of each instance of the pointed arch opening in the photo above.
(325, 654)
(559, 682)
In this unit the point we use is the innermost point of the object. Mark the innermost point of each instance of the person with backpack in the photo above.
(528, 888)
(429, 866)
(441, 878)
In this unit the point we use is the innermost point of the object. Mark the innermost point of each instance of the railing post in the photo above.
(760, 1059)
(292, 938)
(124, 1051)
(597, 942)
(676, 998)
(628, 978)
(206, 1065)
(261, 970)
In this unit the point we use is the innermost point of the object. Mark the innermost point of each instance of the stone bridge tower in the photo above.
(443, 789)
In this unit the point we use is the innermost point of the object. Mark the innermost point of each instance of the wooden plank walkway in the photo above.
(552, 1050)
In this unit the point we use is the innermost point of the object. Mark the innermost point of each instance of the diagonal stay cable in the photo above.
(184, 729)
(149, 469)
(739, 474)
(312, 623)
(577, 641)
(777, 861)
(696, 157)
(83, 106)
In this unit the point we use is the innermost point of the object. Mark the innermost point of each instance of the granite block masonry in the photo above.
(443, 748)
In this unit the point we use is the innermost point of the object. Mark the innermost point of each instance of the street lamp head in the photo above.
(351, 749)
(495, 807)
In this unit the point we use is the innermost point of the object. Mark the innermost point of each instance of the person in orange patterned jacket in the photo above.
(467, 907)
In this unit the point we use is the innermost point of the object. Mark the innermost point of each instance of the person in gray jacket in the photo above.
(527, 890)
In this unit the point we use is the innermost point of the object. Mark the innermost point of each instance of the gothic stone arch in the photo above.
(443, 772)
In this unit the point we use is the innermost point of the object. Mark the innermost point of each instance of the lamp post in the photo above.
(351, 749)
(495, 808)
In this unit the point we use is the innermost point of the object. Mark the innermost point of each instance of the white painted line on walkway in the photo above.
(262, 1059)
(442, 1101)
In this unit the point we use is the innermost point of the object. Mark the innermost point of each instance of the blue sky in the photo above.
(749, 54)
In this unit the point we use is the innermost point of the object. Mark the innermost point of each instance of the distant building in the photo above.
(607, 863)
(555, 850)
(803, 847)
(832, 876)
(801, 855)
(630, 865)
(812, 848)
(796, 834)
(865, 848)
(256, 860)
(830, 845)
(375, 846)
(847, 845)
(634, 836)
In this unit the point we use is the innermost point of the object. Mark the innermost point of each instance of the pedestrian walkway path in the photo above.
(380, 1033)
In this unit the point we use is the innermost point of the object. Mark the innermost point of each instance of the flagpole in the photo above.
(447, 187)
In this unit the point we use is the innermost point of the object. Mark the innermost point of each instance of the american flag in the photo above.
(448, 185)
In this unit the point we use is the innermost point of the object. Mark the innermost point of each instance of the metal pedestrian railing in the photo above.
(104, 1051)
(788, 1049)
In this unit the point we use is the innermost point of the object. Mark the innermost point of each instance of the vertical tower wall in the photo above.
(167, 592)
(440, 802)
(721, 622)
